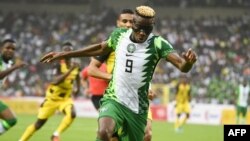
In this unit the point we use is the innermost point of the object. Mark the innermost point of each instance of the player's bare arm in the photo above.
(185, 62)
(151, 94)
(85, 86)
(94, 71)
(92, 50)
(78, 84)
(16, 66)
(61, 77)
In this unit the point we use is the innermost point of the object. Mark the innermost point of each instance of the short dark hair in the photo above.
(127, 11)
(67, 44)
(8, 41)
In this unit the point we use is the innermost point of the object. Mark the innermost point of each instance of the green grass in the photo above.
(84, 129)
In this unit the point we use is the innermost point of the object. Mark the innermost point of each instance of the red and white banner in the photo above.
(159, 112)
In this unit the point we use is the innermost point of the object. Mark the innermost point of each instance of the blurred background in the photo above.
(218, 30)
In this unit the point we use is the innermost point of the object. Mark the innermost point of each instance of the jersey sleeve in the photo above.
(102, 58)
(114, 37)
(163, 47)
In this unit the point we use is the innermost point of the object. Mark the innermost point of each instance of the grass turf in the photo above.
(84, 129)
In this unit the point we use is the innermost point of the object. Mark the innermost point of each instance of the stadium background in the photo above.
(218, 30)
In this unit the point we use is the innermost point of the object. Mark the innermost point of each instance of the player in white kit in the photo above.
(243, 92)
(137, 50)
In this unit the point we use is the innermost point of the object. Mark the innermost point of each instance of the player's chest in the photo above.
(130, 50)
(4, 66)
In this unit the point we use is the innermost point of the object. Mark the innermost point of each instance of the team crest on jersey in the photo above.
(131, 48)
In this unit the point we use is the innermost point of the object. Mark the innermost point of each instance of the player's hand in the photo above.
(190, 56)
(151, 95)
(20, 64)
(50, 57)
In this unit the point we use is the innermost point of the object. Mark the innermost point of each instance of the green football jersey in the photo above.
(4, 66)
(134, 67)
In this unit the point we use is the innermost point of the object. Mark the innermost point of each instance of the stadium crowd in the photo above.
(165, 3)
(223, 46)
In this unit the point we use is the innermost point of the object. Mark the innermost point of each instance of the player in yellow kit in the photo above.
(183, 98)
(58, 97)
(125, 21)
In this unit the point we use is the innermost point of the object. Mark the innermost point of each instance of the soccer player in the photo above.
(94, 87)
(137, 52)
(242, 92)
(58, 97)
(124, 20)
(8, 47)
(183, 98)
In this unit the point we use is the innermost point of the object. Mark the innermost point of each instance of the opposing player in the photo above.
(243, 92)
(7, 66)
(94, 87)
(58, 97)
(137, 52)
(183, 98)
(124, 20)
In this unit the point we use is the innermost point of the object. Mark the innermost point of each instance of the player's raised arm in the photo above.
(92, 50)
(185, 62)
(94, 70)
(8, 71)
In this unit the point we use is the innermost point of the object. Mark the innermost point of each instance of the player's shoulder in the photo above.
(158, 38)
(119, 30)
(159, 41)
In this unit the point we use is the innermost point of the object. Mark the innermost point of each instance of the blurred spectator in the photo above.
(223, 45)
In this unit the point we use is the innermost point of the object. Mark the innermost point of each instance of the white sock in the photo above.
(56, 133)
(2, 130)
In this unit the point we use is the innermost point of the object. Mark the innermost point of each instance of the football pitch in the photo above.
(84, 129)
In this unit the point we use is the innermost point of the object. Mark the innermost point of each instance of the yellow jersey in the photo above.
(183, 93)
(64, 89)
(110, 61)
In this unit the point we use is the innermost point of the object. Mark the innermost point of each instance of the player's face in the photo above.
(142, 27)
(66, 49)
(8, 50)
(125, 20)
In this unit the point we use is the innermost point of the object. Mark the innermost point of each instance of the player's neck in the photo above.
(5, 60)
(132, 38)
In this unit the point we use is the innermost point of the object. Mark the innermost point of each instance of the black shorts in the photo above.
(96, 100)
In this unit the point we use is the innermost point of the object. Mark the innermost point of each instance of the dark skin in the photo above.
(57, 80)
(185, 82)
(7, 53)
(184, 63)
(125, 20)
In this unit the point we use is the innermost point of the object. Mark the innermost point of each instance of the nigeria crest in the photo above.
(131, 48)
